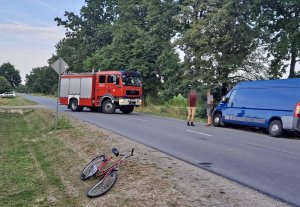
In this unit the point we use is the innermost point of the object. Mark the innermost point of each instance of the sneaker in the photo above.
(192, 124)
(208, 125)
(188, 123)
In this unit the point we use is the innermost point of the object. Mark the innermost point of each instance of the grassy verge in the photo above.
(16, 101)
(41, 167)
(169, 111)
(44, 95)
(28, 154)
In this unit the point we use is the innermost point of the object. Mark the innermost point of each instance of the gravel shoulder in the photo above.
(152, 178)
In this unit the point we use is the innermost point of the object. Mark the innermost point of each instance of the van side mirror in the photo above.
(225, 99)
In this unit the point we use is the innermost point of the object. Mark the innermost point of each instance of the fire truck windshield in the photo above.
(131, 81)
(131, 78)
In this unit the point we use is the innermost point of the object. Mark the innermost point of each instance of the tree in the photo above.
(10, 73)
(22, 89)
(279, 21)
(42, 80)
(115, 34)
(5, 86)
(217, 39)
(85, 33)
(141, 41)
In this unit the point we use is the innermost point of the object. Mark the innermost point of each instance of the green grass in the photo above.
(29, 153)
(44, 95)
(16, 101)
(63, 123)
(169, 111)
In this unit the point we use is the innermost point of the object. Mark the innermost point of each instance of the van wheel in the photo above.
(75, 106)
(108, 107)
(275, 128)
(217, 120)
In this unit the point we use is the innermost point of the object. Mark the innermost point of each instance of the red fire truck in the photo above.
(103, 91)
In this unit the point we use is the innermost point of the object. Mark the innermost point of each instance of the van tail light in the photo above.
(297, 110)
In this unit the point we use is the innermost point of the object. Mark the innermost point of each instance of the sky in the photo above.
(28, 32)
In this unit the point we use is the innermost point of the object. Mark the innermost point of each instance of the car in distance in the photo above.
(7, 95)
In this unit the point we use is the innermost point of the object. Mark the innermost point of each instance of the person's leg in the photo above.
(189, 115)
(193, 111)
(209, 120)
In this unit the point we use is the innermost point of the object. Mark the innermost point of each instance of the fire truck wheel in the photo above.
(108, 107)
(75, 106)
(127, 109)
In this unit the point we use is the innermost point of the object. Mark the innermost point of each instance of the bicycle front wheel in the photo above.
(104, 185)
(91, 169)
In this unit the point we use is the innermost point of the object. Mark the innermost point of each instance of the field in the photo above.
(41, 167)
(16, 101)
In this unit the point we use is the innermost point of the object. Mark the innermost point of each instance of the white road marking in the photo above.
(140, 119)
(199, 133)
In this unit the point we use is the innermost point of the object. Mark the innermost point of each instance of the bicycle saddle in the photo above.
(115, 151)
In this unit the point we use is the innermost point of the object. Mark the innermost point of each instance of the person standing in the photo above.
(210, 106)
(192, 103)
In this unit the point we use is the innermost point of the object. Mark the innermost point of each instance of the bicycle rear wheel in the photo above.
(104, 185)
(91, 169)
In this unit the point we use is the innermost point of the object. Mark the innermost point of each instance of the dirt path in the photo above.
(152, 178)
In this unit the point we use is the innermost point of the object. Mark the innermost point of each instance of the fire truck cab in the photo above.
(103, 91)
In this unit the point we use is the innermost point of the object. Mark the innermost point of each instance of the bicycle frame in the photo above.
(108, 173)
(113, 167)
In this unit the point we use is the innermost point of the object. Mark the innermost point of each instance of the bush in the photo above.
(5, 86)
(178, 101)
(201, 113)
(153, 100)
(175, 107)
(22, 89)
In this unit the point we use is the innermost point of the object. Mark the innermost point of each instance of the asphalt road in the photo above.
(269, 165)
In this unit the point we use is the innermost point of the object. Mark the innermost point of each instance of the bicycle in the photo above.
(108, 176)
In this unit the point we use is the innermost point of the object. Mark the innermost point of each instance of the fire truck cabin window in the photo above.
(102, 79)
(113, 79)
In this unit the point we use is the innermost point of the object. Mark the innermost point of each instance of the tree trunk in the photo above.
(293, 64)
(144, 100)
(224, 89)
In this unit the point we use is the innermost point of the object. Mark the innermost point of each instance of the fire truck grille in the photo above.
(131, 92)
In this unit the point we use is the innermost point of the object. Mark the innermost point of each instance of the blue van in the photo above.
(270, 104)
